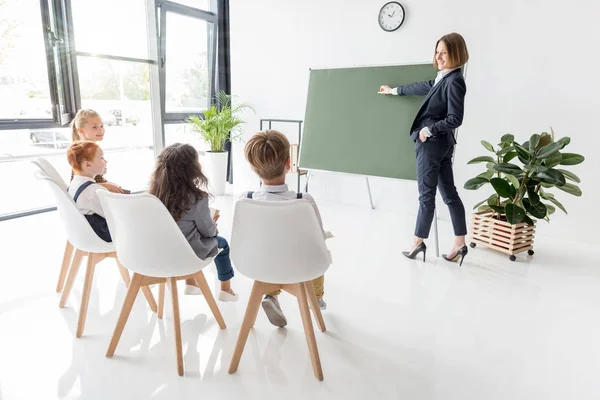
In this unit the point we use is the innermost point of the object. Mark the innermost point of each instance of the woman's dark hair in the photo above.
(177, 179)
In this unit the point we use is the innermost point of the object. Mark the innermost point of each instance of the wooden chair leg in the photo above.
(210, 299)
(87, 287)
(177, 324)
(132, 292)
(161, 299)
(65, 266)
(71, 278)
(309, 333)
(314, 303)
(145, 289)
(249, 318)
(124, 274)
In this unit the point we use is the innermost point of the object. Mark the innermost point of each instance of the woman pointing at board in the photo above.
(433, 133)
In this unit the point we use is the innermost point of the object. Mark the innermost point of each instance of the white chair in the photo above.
(281, 246)
(47, 168)
(149, 243)
(85, 242)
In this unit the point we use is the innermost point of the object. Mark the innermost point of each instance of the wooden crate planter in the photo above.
(499, 235)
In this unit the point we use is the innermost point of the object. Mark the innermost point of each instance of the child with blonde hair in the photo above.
(87, 125)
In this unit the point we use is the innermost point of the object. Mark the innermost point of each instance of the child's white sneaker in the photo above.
(192, 290)
(228, 297)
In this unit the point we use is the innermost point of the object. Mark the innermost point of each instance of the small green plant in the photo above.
(521, 191)
(220, 122)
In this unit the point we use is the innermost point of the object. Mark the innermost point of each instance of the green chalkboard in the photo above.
(351, 128)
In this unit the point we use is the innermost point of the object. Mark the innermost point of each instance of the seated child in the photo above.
(268, 153)
(87, 125)
(87, 161)
(179, 183)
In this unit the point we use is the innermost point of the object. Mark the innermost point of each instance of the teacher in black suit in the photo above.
(433, 133)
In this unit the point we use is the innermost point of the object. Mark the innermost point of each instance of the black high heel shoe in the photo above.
(412, 254)
(460, 254)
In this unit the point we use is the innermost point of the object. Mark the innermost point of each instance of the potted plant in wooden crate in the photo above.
(506, 220)
(221, 122)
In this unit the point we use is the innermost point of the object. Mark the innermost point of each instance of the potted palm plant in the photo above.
(506, 220)
(221, 122)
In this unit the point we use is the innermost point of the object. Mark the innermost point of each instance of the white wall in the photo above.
(532, 65)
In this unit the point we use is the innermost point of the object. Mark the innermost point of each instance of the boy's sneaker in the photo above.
(322, 304)
(273, 310)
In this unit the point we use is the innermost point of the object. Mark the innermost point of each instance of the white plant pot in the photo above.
(215, 169)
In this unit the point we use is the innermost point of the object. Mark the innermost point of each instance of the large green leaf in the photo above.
(502, 187)
(484, 207)
(522, 153)
(509, 168)
(475, 183)
(539, 210)
(509, 156)
(557, 204)
(571, 159)
(569, 175)
(481, 159)
(551, 209)
(528, 220)
(533, 196)
(533, 142)
(553, 160)
(566, 140)
(547, 151)
(487, 175)
(512, 179)
(571, 189)
(508, 138)
(535, 168)
(552, 177)
(488, 146)
(514, 214)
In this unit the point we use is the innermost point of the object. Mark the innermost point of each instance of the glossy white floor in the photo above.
(397, 329)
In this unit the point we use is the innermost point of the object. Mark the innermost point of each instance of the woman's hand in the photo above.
(112, 187)
(385, 89)
(422, 135)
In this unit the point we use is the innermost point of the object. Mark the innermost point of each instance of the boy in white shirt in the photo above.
(268, 153)
(87, 161)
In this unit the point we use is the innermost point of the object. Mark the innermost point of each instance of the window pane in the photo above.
(187, 66)
(201, 4)
(113, 27)
(182, 133)
(120, 92)
(19, 147)
(24, 90)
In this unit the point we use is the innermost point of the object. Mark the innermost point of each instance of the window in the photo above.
(24, 87)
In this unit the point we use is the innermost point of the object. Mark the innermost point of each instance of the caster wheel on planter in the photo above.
(512, 258)
(473, 245)
(530, 252)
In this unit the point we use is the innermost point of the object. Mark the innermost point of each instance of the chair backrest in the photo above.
(147, 238)
(278, 242)
(49, 170)
(78, 230)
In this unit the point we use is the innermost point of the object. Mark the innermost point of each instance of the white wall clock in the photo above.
(391, 16)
